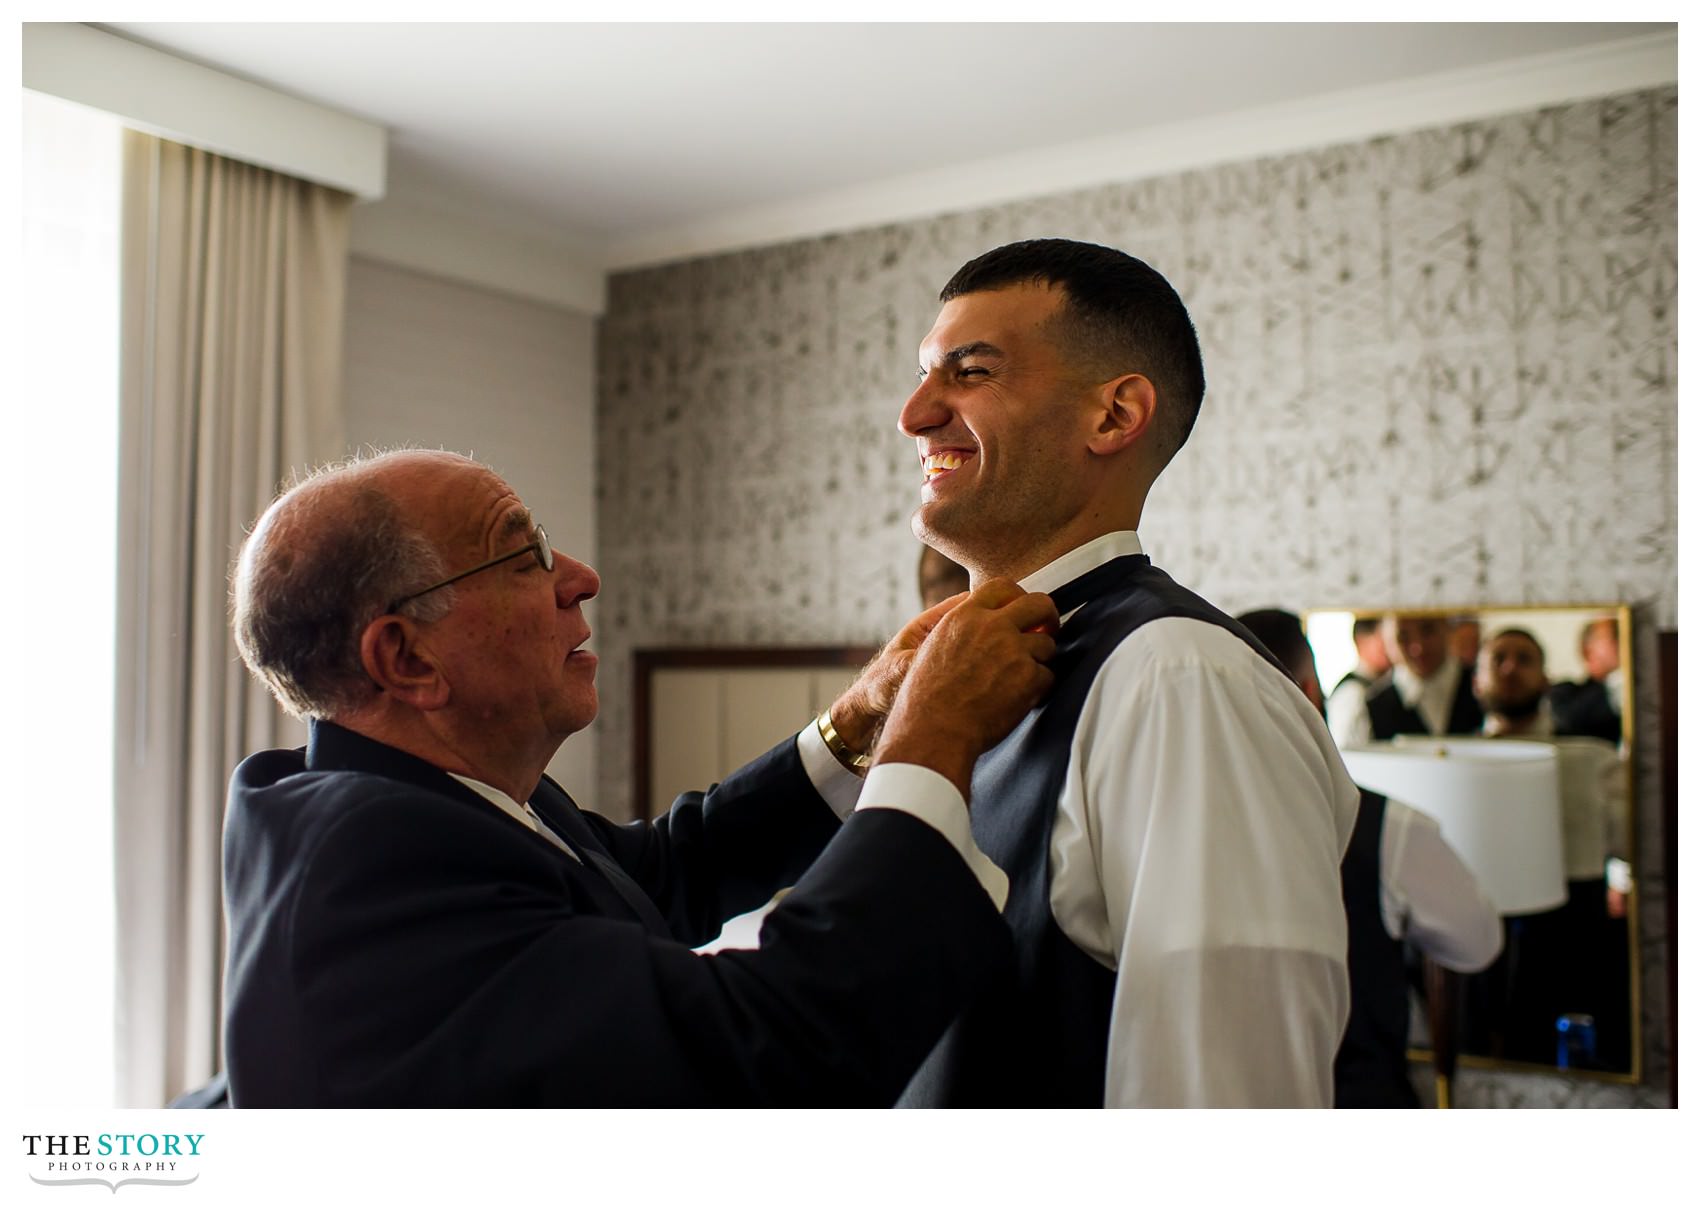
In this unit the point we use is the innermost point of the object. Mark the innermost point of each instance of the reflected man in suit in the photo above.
(1428, 692)
(1346, 701)
(420, 917)
(1593, 706)
(1573, 958)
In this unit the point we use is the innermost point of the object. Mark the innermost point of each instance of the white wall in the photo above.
(439, 364)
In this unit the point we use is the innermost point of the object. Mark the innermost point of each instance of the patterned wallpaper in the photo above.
(1441, 370)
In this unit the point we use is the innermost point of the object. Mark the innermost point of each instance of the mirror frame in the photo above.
(1624, 613)
(647, 661)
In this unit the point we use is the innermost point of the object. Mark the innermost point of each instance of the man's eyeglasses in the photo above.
(538, 548)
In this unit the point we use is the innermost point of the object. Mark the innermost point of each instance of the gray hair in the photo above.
(305, 587)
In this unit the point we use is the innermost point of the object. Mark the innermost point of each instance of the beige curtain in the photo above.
(233, 284)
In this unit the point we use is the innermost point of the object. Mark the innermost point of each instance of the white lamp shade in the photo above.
(1497, 803)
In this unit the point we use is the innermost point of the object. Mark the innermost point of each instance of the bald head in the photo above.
(1599, 648)
(327, 557)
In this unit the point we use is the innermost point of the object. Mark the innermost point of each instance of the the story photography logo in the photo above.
(113, 1159)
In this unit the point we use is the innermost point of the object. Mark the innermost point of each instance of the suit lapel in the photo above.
(557, 809)
(331, 748)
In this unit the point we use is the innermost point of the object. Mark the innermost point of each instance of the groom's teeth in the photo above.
(937, 464)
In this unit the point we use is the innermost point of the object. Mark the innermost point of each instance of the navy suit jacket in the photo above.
(397, 940)
(1584, 708)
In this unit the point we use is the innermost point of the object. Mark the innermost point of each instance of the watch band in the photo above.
(855, 762)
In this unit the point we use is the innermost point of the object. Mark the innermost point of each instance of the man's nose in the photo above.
(925, 409)
(574, 581)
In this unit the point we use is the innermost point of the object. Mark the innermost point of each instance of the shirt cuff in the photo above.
(832, 781)
(932, 798)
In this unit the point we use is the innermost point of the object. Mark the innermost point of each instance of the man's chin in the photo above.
(938, 526)
(920, 525)
(576, 716)
(1516, 712)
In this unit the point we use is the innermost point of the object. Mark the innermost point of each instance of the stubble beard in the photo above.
(971, 535)
(1515, 709)
(988, 541)
(939, 533)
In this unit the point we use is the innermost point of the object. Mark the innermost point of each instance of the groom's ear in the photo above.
(1126, 408)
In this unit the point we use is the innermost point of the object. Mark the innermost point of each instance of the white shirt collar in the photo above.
(1431, 698)
(517, 810)
(1412, 687)
(510, 805)
(1082, 559)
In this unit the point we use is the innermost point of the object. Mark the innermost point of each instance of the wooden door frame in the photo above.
(646, 662)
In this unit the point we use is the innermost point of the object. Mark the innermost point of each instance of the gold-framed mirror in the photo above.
(1565, 991)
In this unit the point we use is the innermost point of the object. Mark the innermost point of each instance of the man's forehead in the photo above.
(459, 502)
(990, 317)
(1516, 642)
(499, 519)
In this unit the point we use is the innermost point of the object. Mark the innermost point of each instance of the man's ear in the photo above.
(400, 665)
(1127, 408)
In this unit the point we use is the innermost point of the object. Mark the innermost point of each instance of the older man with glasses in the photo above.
(419, 916)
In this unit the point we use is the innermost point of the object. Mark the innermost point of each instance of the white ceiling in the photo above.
(604, 135)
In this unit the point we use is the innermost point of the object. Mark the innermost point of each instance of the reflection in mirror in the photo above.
(1564, 990)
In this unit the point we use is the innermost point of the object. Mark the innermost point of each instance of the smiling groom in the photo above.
(1172, 818)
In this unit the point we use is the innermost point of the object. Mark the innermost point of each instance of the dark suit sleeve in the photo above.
(450, 973)
(720, 853)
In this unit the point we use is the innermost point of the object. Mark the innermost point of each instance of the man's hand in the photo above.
(859, 711)
(976, 674)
